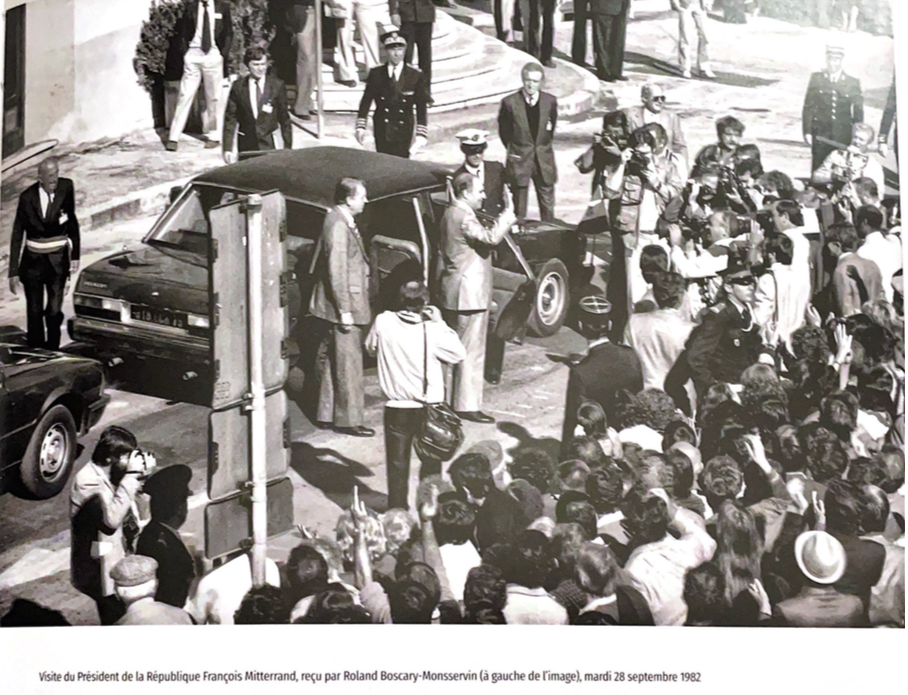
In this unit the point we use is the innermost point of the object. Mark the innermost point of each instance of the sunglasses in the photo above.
(659, 98)
(743, 280)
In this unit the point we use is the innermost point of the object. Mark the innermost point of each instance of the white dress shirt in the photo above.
(46, 200)
(200, 22)
(395, 71)
(253, 97)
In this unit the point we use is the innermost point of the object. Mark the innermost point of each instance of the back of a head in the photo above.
(566, 541)
(844, 507)
(413, 296)
(605, 489)
(307, 572)
(876, 509)
(486, 589)
(572, 475)
(678, 431)
(586, 449)
(574, 507)
(411, 603)
(463, 183)
(327, 604)
(653, 260)
(721, 479)
(651, 407)
(704, 594)
(264, 605)
(591, 417)
(669, 290)
(534, 465)
(845, 235)
(454, 522)
(532, 560)
(781, 248)
(423, 574)
(646, 515)
(868, 218)
(596, 569)
(780, 182)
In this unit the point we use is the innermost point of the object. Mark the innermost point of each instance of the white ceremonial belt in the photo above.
(46, 245)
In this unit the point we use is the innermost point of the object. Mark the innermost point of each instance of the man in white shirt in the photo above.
(220, 592)
(843, 167)
(883, 249)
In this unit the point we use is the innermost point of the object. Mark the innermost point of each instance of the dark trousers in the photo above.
(44, 273)
(420, 35)
(609, 34)
(110, 609)
(578, 41)
(531, 11)
(398, 148)
(544, 194)
(820, 151)
(401, 426)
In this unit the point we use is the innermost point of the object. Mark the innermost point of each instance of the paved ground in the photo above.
(763, 71)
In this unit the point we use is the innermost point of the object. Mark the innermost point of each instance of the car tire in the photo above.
(50, 454)
(552, 299)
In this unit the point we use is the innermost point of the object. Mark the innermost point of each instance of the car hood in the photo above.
(164, 278)
(19, 355)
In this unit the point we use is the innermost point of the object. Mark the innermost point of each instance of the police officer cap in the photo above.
(133, 570)
(594, 309)
(391, 37)
(835, 49)
(172, 481)
(473, 139)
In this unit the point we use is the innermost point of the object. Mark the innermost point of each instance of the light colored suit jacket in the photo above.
(464, 259)
(341, 269)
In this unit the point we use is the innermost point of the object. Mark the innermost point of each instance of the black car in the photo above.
(47, 399)
(152, 301)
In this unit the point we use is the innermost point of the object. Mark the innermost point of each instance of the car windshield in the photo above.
(184, 227)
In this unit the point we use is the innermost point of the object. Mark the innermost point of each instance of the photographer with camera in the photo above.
(643, 184)
(104, 517)
(411, 345)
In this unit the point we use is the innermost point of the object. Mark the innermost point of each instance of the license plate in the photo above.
(160, 317)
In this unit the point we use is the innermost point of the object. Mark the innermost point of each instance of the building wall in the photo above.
(79, 82)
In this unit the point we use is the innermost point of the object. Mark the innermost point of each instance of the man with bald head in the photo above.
(652, 109)
(44, 252)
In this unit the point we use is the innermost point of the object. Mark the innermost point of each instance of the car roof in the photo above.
(310, 175)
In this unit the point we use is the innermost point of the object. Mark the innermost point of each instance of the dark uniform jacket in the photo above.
(604, 375)
(219, 12)
(416, 11)
(830, 111)
(722, 347)
(257, 133)
(395, 104)
(29, 223)
(528, 152)
(176, 569)
(493, 182)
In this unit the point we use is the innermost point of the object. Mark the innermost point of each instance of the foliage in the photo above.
(251, 26)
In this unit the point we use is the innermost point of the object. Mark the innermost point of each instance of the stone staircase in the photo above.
(469, 69)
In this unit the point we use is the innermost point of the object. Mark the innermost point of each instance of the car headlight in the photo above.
(197, 321)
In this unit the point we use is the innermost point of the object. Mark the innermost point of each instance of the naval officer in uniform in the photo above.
(397, 90)
(832, 105)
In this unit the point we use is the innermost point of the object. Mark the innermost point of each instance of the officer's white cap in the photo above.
(835, 49)
(473, 136)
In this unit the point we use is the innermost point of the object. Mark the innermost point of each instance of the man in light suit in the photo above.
(465, 286)
(526, 126)
(256, 107)
(692, 16)
(341, 299)
(368, 14)
(652, 110)
(205, 31)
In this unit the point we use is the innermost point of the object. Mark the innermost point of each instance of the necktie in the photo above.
(258, 95)
(206, 29)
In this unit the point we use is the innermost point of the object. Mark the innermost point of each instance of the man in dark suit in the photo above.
(607, 375)
(160, 539)
(397, 90)
(258, 105)
(340, 298)
(526, 126)
(205, 32)
(609, 19)
(832, 105)
(473, 144)
(416, 19)
(46, 222)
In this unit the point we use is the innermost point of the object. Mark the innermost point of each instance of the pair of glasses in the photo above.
(659, 98)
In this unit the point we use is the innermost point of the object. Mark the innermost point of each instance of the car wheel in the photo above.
(551, 307)
(49, 457)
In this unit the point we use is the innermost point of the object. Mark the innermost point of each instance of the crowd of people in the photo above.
(733, 442)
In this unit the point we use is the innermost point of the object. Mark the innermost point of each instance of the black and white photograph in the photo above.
(434, 312)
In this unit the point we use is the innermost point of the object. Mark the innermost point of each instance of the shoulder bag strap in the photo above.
(425, 371)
